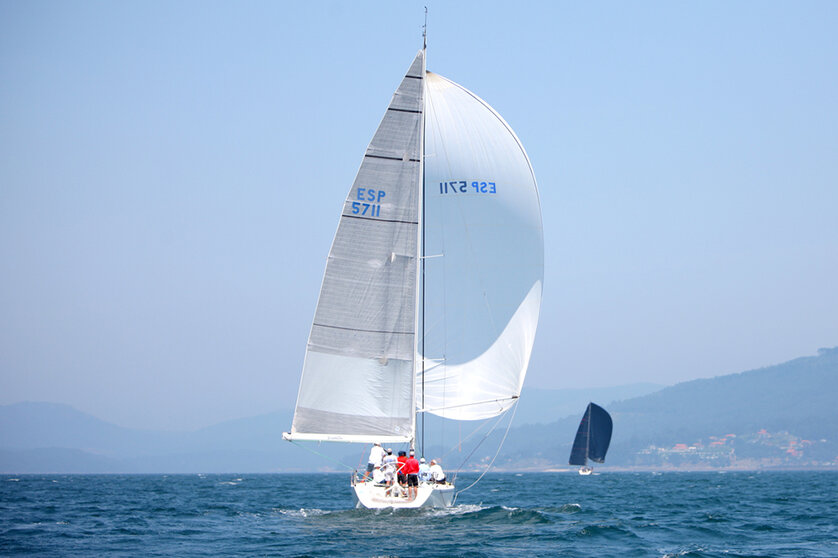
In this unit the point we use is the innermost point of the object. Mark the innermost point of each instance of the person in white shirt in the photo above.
(388, 467)
(424, 471)
(436, 472)
(375, 459)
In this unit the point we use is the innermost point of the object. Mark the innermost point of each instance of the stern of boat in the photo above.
(374, 496)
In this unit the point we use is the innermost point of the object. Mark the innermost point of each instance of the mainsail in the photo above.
(432, 288)
(593, 436)
(358, 376)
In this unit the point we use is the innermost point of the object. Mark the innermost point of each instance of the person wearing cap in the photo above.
(411, 469)
(424, 470)
(436, 471)
(374, 460)
(388, 466)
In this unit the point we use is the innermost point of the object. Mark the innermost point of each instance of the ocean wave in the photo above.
(607, 532)
(302, 512)
(684, 553)
(502, 515)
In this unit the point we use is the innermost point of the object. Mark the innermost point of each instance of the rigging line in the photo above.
(467, 438)
(425, 30)
(492, 462)
(324, 456)
(510, 398)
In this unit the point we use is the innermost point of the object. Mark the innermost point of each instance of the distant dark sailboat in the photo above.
(592, 438)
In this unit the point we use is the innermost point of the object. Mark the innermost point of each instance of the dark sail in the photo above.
(593, 436)
(579, 453)
(600, 437)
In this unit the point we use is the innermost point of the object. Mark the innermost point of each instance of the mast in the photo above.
(425, 31)
(422, 221)
(588, 441)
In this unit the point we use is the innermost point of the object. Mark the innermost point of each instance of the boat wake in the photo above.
(302, 512)
(496, 515)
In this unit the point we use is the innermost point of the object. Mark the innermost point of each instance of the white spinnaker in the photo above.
(484, 264)
(358, 376)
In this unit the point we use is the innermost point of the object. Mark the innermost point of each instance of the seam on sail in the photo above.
(399, 159)
(364, 330)
(380, 220)
(412, 111)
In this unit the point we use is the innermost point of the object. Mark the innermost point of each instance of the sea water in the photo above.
(533, 514)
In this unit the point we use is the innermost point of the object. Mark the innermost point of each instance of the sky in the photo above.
(171, 175)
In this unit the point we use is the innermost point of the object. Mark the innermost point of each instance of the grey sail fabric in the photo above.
(358, 377)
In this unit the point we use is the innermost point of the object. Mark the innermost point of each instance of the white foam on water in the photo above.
(302, 512)
(460, 509)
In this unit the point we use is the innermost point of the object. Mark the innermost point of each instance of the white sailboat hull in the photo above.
(372, 496)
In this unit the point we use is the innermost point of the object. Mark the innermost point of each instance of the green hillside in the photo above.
(782, 415)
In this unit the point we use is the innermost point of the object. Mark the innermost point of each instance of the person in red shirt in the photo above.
(400, 469)
(411, 469)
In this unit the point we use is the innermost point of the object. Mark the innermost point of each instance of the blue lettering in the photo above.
(360, 193)
(356, 207)
(381, 194)
(452, 186)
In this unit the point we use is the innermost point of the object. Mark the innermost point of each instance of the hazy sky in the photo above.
(171, 175)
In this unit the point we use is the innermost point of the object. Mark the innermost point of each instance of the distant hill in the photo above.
(49, 437)
(783, 415)
(797, 398)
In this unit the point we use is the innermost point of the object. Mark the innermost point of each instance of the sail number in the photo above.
(467, 186)
(369, 202)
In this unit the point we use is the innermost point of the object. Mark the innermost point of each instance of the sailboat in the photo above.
(432, 288)
(592, 438)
